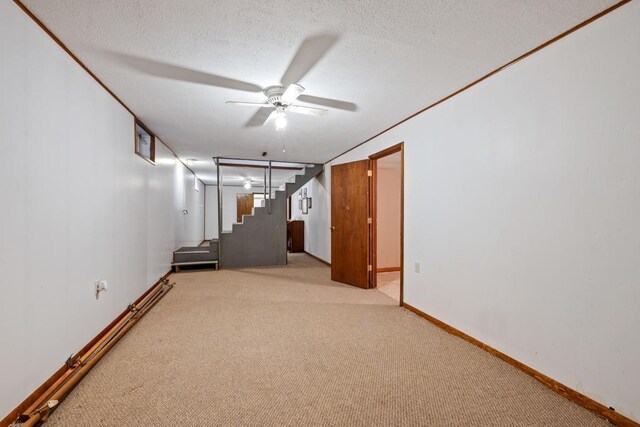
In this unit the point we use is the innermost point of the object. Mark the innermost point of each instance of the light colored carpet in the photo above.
(286, 346)
(389, 284)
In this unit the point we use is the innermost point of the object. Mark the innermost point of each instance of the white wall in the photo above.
(77, 206)
(211, 212)
(388, 217)
(189, 225)
(522, 199)
(317, 239)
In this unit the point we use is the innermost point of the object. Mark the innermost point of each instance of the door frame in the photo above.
(373, 214)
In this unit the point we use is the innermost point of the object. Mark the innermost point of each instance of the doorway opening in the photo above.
(387, 212)
(359, 220)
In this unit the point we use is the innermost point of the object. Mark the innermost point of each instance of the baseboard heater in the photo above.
(78, 367)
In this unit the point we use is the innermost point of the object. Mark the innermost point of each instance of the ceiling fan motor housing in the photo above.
(274, 95)
(282, 99)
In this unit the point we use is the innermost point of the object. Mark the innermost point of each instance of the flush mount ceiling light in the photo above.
(247, 184)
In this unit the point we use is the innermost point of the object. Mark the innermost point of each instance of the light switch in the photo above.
(417, 267)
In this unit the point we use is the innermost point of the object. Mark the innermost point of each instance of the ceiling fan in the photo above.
(279, 101)
(280, 98)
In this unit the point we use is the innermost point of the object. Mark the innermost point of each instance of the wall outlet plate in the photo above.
(101, 286)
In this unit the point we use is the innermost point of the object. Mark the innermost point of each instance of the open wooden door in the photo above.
(349, 223)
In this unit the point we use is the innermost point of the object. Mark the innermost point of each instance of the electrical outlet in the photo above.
(417, 267)
(101, 286)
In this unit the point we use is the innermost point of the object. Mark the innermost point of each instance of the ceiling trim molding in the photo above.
(496, 71)
(33, 17)
(68, 51)
(64, 47)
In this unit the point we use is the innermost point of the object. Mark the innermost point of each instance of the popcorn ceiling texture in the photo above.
(392, 59)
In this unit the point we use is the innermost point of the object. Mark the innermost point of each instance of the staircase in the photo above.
(301, 179)
(261, 238)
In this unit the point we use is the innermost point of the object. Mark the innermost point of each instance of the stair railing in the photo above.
(219, 206)
(264, 187)
(269, 209)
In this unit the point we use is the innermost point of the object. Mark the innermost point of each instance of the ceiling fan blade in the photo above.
(271, 117)
(176, 72)
(309, 111)
(292, 93)
(250, 104)
(308, 55)
(259, 117)
(327, 102)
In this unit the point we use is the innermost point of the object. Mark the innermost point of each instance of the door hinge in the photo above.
(369, 220)
(369, 173)
(369, 267)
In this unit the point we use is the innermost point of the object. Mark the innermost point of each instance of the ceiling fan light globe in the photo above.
(281, 122)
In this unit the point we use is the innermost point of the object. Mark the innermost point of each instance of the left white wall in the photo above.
(211, 212)
(77, 206)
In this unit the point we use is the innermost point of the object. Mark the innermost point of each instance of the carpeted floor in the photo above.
(286, 346)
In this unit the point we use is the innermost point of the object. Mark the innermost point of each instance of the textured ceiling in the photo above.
(175, 63)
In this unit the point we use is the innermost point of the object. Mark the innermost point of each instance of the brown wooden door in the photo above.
(244, 205)
(349, 223)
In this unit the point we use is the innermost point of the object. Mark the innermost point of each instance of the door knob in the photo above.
(332, 228)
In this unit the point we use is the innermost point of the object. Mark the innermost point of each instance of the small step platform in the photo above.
(196, 255)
